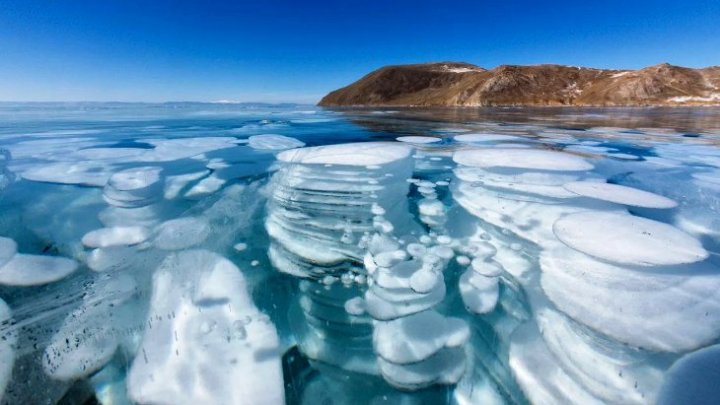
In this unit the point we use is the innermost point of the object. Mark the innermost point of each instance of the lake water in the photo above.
(252, 254)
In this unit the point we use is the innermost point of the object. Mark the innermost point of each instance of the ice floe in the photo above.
(116, 236)
(208, 342)
(416, 337)
(534, 159)
(134, 187)
(619, 194)
(657, 309)
(483, 138)
(418, 139)
(91, 334)
(526, 263)
(628, 239)
(274, 142)
(18, 269)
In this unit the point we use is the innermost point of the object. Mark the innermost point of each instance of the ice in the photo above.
(135, 187)
(628, 239)
(200, 348)
(418, 139)
(29, 270)
(167, 150)
(657, 309)
(619, 194)
(481, 138)
(389, 304)
(17, 269)
(183, 253)
(609, 370)
(116, 236)
(351, 154)
(479, 293)
(445, 367)
(534, 159)
(7, 352)
(538, 373)
(273, 142)
(113, 258)
(333, 206)
(175, 184)
(90, 335)
(81, 173)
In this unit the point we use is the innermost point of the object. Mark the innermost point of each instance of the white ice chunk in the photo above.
(167, 150)
(416, 337)
(423, 281)
(208, 344)
(7, 352)
(351, 154)
(619, 194)
(487, 267)
(116, 236)
(445, 367)
(628, 239)
(387, 305)
(480, 294)
(82, 173)
(274, 142)
(138, 180)
(28, 270)
(418, 139)
(478, 137)
(134, 187)
(521, 159)
(89, 336)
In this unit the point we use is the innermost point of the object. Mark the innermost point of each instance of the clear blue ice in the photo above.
(253, 254)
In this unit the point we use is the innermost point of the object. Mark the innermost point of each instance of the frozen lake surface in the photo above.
(252, 254)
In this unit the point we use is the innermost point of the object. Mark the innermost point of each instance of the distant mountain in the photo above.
(463, 84)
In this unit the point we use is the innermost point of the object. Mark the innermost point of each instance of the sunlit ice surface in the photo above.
(254, 254)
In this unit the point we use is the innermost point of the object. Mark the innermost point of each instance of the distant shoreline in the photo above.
(455, 84)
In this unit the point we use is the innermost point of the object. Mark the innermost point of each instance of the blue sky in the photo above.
(296, 51)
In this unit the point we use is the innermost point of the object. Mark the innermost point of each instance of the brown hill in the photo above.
(463, 84)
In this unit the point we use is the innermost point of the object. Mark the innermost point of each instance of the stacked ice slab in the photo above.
(618, 296)
(416, 346)
(323, 200)
(133, 197)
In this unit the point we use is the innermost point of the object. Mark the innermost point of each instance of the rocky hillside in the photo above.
(463, 84)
